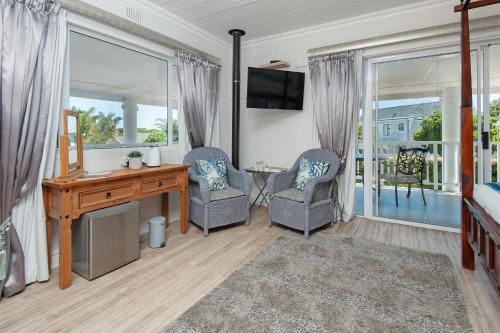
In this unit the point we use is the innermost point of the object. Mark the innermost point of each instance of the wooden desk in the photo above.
(66, 199)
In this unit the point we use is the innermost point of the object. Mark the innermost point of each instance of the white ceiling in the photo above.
(260, 18)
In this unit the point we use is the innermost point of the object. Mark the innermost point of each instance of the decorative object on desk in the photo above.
(153, 158)
(71, 145)
(156, 234)
(309, 169)
(134, 160)
(215, 171)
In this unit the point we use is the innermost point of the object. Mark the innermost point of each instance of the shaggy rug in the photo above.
(332, 284)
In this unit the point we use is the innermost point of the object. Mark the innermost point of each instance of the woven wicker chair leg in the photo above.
(205, 225)
(248, 218)
(306, 234)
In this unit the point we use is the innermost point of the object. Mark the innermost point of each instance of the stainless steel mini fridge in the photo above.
(105, 239)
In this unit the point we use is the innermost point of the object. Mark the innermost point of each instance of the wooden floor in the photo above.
(147, 294)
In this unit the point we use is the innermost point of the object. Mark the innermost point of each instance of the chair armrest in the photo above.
(280, 181)
(200, 185)
(317, 184)
(239, 179)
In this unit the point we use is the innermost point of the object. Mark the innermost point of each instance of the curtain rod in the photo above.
(447, 29)
(97, 14)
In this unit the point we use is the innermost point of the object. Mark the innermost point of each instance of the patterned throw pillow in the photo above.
(215, 172)
(309, 169)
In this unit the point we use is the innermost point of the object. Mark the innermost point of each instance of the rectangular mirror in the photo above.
(71, 145)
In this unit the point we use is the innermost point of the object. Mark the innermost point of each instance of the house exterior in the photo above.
(398, 123)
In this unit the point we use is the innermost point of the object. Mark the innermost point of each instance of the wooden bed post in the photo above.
(467, 144)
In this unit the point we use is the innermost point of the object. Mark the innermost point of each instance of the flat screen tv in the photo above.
(274, 89)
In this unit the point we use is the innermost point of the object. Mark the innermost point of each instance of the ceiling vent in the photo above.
(133, 15)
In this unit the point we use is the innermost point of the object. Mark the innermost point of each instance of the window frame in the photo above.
(123, 39)
(388, 126)
(401, 130)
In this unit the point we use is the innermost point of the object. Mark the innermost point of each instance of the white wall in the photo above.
(163, 22)
(278, 137)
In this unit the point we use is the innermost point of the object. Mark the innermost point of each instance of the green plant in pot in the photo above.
(135, 160)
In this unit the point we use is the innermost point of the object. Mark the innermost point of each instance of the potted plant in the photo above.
(135, 160)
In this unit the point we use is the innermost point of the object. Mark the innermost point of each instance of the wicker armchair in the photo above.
(210, 209)
(303, 210)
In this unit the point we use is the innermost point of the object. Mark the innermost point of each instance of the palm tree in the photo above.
(97, 128)
(161, 124)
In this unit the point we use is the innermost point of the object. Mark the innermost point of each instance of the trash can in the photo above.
(157, 232)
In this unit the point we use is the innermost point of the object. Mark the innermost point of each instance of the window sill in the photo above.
(127, 146)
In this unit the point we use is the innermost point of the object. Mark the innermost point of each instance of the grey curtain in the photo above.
(199, 85)
(28, 30)
(336, 94)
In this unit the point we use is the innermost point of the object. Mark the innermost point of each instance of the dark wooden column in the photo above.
(467, 145)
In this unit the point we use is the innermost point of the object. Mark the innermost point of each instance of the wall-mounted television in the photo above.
(275, 89)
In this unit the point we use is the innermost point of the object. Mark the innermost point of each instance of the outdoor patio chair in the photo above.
(410, 165)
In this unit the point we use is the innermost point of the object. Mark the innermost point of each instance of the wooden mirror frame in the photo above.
(76, 168)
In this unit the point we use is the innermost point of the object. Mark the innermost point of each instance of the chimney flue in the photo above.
(236, 33)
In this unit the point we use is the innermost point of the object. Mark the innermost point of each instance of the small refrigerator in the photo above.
(105, 239)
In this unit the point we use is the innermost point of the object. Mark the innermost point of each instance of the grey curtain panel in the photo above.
(199, 85)
(336, 94)
(28, 30)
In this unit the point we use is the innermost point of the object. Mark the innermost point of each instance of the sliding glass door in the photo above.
(488, 170)
(411, 138)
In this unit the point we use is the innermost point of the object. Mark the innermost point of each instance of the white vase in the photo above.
(135, 163)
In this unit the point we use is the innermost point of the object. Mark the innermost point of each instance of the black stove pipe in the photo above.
(236, 33)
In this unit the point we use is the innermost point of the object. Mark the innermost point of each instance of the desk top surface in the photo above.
(113, 175)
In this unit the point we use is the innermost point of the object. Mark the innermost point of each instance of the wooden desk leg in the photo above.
(48, 228)
(184, 206)
(65, 240)
(164, 207)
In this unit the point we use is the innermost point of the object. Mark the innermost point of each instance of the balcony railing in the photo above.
(387, 153)
(434, 166)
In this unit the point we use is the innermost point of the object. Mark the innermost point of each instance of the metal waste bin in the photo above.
(106, 239)
(157, 232)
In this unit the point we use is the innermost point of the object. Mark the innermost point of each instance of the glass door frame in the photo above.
(485, 169)
(370, 88)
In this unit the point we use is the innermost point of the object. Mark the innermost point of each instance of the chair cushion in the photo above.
(401, 178)
(309, 169)
(215, 171)
(291, 194)
(228, 193)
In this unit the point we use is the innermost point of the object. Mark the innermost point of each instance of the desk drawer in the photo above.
(105, 195)
(158, 184)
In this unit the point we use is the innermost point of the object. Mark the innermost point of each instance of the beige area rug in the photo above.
(333, 284)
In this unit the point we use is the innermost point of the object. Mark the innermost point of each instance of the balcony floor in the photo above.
(443, 208)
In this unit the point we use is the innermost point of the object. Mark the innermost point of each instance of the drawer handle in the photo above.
(160, 184)
(108, 195)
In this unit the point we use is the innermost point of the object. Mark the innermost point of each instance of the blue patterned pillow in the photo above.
(309, 169)
(215, 172)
